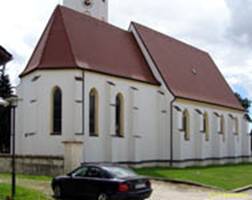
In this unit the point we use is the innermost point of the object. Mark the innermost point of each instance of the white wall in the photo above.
(34, 112)
(146, 120)
(146, 131)
(197, 147)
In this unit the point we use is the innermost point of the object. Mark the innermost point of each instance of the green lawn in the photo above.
(22, 193)
(227, 177)
(28, 187)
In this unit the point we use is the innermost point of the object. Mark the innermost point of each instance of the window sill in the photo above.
(93, 135)
(117, 136)
(56, 134)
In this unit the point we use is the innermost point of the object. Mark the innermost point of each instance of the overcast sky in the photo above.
(221, 27)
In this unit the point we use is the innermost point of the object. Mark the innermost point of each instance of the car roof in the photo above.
(101, 165)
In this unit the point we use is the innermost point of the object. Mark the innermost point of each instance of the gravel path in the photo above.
(161, 191)
(166, 191)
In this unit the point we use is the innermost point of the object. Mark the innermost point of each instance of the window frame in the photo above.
(119, 115)
(55, 132)
(95, 129)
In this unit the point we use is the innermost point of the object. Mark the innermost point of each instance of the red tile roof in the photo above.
(187, 71)
(74, 40)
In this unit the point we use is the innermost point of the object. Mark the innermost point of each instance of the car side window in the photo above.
(94, 172)
(81, 172)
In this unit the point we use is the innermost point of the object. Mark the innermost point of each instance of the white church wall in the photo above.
(246, 138)
(141, 121)
(40, 141)
(217, 147)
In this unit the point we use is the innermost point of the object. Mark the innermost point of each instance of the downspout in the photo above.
(171, 132)
(83, 102)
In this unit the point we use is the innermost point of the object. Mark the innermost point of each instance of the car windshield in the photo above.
(120, 172)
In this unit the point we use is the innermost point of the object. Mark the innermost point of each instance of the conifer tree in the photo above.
(5, 113)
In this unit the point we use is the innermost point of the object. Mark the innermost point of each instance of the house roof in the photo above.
(5, 56)
(74, 40)
(187, 71)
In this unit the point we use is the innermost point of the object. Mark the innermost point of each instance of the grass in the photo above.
(227, 177)
(28, 187)
(21, 193)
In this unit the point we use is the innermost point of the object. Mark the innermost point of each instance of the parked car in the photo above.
(101, 182)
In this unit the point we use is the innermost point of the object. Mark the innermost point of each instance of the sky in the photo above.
(221, 27)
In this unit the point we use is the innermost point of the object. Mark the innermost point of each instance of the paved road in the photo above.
(167, 191)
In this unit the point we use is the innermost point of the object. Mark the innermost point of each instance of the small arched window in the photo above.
(56, 111)
(186, 125)
(236, 126)
(119, 115)
(206, 126)
(93, 112)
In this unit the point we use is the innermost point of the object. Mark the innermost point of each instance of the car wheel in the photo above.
(102, 196)
(57, 191)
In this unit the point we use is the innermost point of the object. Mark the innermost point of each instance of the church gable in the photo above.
(74, 40)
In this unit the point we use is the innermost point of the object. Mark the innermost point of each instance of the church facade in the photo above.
(101, 94)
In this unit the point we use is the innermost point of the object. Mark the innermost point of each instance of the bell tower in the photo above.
(94, 8)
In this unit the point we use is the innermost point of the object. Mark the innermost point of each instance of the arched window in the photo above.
(236, 126)
(186, 125)
(93, 113)
(206, 126)
(119, 115)
(56, 111)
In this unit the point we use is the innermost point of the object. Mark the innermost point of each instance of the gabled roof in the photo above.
(74, 40)
(5, 56)
(187, 71)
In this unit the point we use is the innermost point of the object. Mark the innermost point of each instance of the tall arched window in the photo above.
(186, 125)
(206, 126)
(93, 113)
(119, 115)
(56, 111)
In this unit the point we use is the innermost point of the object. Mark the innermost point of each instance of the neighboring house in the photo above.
(99, 93)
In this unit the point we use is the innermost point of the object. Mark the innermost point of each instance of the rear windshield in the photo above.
(120, 172)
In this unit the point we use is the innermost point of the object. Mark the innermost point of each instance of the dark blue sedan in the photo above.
(101, 182)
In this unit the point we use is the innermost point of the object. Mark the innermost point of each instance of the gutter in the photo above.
(171, 132)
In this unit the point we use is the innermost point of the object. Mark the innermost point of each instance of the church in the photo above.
(92, 92)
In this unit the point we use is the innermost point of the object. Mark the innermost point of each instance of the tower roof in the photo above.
(73, 40)
(188, 72)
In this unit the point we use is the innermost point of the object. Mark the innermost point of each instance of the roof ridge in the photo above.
(93, 19)
(67, 36)
(170, 37)
(38, 44)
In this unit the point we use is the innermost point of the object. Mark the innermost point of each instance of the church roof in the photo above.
(74, 40)
(188, 72)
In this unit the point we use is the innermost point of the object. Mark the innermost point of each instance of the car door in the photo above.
(95, 181)
(79, 183)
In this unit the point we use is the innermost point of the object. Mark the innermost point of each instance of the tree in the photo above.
(5, 113)
(246, 103)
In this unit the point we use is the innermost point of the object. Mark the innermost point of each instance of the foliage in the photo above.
(227, 177)
(246, 103)
(5, 114)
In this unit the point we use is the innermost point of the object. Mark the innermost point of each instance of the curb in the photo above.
(242, 189)
(191, 183)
